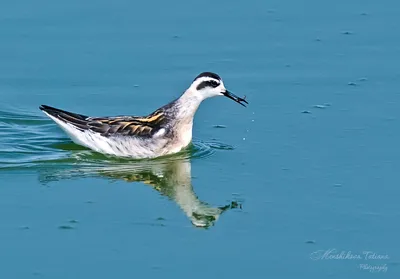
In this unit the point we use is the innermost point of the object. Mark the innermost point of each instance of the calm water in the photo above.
(308, 171)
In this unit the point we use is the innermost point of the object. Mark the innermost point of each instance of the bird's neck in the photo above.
(184, 110)
(188, 104)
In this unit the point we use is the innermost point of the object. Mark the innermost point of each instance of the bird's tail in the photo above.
(77, 120)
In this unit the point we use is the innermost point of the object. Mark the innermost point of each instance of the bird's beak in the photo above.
(237, 99)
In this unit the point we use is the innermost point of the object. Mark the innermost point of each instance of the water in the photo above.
(310, 167)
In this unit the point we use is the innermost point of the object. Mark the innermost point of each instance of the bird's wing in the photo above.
(111, 126)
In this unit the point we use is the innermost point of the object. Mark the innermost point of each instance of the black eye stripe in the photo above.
(214, 83)
(207, 83)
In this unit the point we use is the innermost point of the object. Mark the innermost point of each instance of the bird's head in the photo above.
(208, 84)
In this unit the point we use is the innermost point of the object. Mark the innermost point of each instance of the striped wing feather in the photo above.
(127, 126)
(110, 126)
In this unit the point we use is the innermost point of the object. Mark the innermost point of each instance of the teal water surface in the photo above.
(301, 183)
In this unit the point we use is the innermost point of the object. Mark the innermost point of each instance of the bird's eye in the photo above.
(213, 83)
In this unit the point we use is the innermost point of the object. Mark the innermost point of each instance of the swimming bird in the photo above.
(166, 131)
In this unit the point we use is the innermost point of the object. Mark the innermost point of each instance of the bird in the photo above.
(166, 131)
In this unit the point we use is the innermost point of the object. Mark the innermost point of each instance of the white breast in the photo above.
(182, 137)
(185, 135)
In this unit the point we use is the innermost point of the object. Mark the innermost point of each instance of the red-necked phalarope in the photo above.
(166, 131)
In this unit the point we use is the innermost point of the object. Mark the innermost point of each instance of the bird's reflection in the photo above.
(170, 177)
